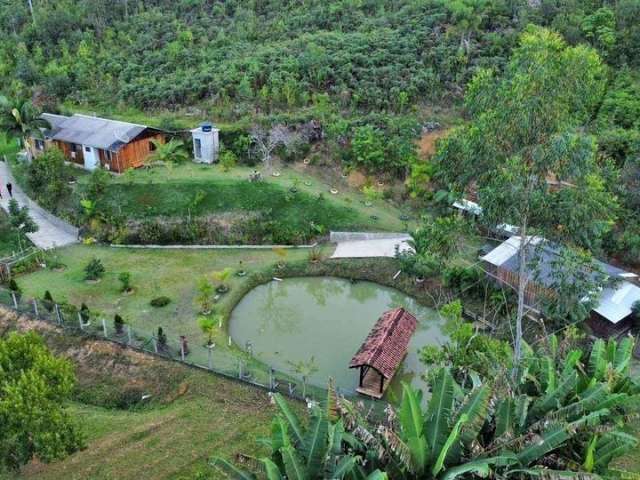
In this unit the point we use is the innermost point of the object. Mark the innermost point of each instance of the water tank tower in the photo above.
(205, 143)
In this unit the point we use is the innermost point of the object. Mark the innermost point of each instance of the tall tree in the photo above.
(21, 220)
(34, 386)
(525, 151)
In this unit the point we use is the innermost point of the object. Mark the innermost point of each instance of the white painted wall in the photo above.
(91, 157)
(209, 145)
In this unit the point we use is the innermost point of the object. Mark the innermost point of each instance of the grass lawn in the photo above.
(173, 273)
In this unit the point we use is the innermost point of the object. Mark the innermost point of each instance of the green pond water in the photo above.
(327, 319)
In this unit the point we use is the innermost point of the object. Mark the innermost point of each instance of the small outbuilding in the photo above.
(206, 143)
(383, 351)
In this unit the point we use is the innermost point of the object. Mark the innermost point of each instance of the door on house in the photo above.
(91, 157)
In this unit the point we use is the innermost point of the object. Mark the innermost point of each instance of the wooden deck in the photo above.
(371, 385)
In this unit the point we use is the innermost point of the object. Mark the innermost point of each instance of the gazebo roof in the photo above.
(386, 345)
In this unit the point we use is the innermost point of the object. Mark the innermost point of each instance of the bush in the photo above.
(228, 160)
(48, 301)
(94, 269)
(13, 286)
(118, 324)
(125, 281)
(161, 301)
(161, 338)
(85, 314)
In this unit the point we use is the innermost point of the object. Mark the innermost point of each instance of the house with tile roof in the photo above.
(383, 351)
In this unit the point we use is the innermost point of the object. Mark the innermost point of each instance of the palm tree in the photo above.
(171, 152)
(22, 121)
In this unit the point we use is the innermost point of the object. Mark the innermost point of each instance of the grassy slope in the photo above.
(192, 416)
(218, 417)
(160, 191)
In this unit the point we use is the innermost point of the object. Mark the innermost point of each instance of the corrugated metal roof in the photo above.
(92, 131)
(615, 302)
(386, 345)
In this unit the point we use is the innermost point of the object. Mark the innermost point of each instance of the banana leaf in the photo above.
(229, 469)
(439, 412)
(292, 419)
(293, 464)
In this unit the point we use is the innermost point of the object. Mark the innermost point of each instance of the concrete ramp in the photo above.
(368, 245)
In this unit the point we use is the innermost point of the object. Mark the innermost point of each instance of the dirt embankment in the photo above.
(107, 374)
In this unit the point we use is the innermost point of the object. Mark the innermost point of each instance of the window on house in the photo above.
(152, 146)
(87, 149)
(39, 144)
(198, 146)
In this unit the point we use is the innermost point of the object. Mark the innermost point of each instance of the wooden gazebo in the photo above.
(383, 350)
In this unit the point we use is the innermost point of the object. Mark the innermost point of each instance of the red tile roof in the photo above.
(386, 345)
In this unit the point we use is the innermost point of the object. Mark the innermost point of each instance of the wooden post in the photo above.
(104, 327)
(271, 379)
(35, 308)
(240, 369)
(58, 314)
(155, 345)
(182, 350)
(15, 300)
(128, 335)
(381, 383)
(80, 321)
(210, 357)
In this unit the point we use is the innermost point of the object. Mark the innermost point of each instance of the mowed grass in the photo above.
(171, 192)
(154, 273)
(215, 417)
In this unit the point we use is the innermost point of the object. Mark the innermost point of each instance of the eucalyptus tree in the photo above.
(525, 151)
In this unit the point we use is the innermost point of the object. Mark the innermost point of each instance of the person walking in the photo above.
(10, 189)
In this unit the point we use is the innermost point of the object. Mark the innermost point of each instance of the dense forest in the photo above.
(370, 71)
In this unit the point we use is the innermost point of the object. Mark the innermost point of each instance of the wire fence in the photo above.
(242, 368)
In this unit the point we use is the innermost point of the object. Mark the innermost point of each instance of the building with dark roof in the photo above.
(614, 311)
(93, 141)
(383, 351)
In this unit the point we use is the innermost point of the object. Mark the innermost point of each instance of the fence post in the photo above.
(58, 314)
(128, 334)
(182, 350)
(210, 357)
(104, 327)
(35, 308)
(80, 321)
(240, 369)
(15, 300)
(155, 345)
(270, 378)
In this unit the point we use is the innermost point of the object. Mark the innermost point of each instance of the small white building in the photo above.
(206, 143)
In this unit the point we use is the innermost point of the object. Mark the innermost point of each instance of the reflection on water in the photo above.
(328, 319)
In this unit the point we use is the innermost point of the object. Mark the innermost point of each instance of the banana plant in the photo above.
(300, 452)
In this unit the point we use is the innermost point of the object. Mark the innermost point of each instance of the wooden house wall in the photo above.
(133, 154)
(603, 328)
(534, 292)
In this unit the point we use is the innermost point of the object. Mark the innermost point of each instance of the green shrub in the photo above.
(228, 160)
(85, 314)
(14, 287)
(161, 301)
(94, 269)
(118, 324)
(125, 281)
(48, 301)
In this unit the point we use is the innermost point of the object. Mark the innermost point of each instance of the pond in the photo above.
(326, 319)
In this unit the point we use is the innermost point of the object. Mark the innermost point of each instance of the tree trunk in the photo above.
(522, 287)
(31, 10)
